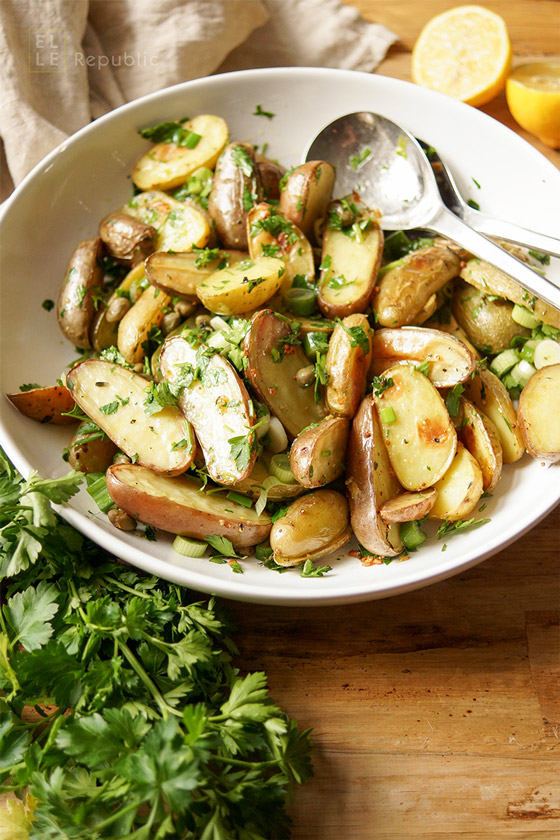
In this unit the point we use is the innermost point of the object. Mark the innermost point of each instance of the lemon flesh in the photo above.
(465, 53)
(533, 97)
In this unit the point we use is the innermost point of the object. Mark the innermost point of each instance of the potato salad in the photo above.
(265, 371)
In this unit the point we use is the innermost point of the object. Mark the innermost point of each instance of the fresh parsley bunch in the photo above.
(121, 714)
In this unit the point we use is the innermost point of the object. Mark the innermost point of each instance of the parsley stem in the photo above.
(136, 592)
(237, 762)
(165, 708)
(116, 815)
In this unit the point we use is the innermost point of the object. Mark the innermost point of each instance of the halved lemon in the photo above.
(465, 53)
(533, 97)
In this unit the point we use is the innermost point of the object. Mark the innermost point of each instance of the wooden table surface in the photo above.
(436, 714)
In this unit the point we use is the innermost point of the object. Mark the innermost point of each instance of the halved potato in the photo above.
(409, 507)
(370, 483)
(269, 233)
(181, 226)
(538, 412)
(276, 492)
(82, 284)
(235, 189)
(182, 506)
(306, 193)
(270, 175)
(419, 436)
(243, 287)
(168, 165)
(179, 274)
(447, 323)
(314, 525)
(405, 289)
(487, 323)
(490, 280)
(105, 332)
(317, 454)
(478, 434)
(460, 489)
(45, 405)
(115, 399)
(426, 312)
(307, 325)
(272, 366)
(147, 312)
(347, 365)
(216, 402)
(488, 394)
(450, 361)
(90, 453)
(127, 239)
(349, 267)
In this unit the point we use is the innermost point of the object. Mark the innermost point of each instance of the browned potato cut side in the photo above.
(181, 506)
(489, 395)
(45, 405)
(487, 323)
(180, 274)
(147, 312)
(218, 406)
(235, 188)
(419, 436)
(127, 239)
(90, 453)
(370, 483)
(347, 365)
(349, 268)
(272, 374)
(478, 434)
(450, 362)
(460, 489)
(405, 289)
(539, 413)
(181, 226)
(314, 525)
(317, 454)
(306, 193)
(115, 399)
(268, 232)
(83, 282)
(409, 506)
(168, 165)
(491, 281)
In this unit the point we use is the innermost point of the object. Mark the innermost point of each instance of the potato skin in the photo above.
(179, 506)
(127, 239)
(538, 412)
(406, 288)
(478, 434)
(76, 306)
(409, 506)
(317, 454)
(370, 482)
(45, 405)
(347, 367)
(90, 456)
(487, 323)
(306, 194)
(314, 525)
(231, 183)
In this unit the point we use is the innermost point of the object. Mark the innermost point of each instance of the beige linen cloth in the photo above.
(66, 62)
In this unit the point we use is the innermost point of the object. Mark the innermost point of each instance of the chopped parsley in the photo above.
(355, 160)
(242, 159)
(259, 112)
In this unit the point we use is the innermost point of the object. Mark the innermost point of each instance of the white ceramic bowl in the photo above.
(62, 200)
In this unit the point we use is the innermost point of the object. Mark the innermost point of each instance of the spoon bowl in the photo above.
(387, 166)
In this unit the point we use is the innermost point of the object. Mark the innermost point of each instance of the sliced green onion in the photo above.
(269, 482)
(315, 342)
(547, 353)
(300, 301)
(97, 489)
(218, 323)
(240, 499)
(218, 341)
(412, 535)
(522, 316)
(527, 352)
(503, 362)
(280, 468)
(188, 547)
(387, 414)
(522, 372)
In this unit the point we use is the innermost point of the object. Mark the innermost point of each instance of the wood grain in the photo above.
(436, 714)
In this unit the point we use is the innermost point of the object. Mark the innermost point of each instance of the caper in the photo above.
(121, 520)
(305, 376)
(185, 308)
(203, 322)
(170, 322)
(117, 309)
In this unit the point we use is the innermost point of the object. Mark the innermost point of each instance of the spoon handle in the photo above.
(510, 232)
(447, 223)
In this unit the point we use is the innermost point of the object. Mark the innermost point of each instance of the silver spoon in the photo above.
(391, 172)
(481, 221)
